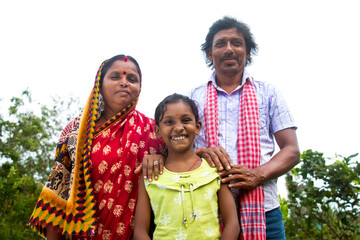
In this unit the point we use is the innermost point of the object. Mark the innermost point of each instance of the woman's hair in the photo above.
(175, 98)
(110, 62)
(228, 23)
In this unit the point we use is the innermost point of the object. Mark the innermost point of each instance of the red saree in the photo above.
(112, 173)
(92, 191)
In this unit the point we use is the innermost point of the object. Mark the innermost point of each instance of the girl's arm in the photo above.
(228, 212)
(142, 213)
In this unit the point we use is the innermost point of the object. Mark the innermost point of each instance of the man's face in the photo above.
(228, 52)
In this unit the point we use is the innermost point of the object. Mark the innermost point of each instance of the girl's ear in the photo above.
(157, 131)
(198, 127)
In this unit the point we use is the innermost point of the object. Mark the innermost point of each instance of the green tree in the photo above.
(28, 138)
(29, 134)
(323, 200)
(18, 196)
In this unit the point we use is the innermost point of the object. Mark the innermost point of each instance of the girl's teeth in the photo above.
(178, 138)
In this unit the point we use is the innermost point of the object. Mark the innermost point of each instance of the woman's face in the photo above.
(121, 86)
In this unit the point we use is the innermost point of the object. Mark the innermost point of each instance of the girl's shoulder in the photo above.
(206, 165)
(197, 178)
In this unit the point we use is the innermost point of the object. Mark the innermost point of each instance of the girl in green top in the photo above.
(187, 197)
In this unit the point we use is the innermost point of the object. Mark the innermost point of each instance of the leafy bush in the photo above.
(18, 196)
(324, 198)
(28, 138)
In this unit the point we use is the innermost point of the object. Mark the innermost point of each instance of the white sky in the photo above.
(308, 49)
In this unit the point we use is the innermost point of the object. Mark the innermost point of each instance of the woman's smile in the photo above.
(122, 92)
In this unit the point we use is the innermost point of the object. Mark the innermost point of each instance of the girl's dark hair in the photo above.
(175, 98)
(110, 62)
(228, 23)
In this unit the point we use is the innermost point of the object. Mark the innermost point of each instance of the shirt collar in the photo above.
(246, 75)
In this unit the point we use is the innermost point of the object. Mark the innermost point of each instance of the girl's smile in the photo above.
(178, 138)
(178, 127)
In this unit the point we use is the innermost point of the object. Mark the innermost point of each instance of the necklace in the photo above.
(190, 167)
(193, 164)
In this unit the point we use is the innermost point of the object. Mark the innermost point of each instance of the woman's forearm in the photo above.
(53, 234)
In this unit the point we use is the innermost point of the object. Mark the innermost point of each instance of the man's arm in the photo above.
(286, 158)
(280, 163)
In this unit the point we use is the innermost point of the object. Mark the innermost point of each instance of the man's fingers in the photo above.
(214, 154)
(225, 158)
(208, 158)
(240, 177)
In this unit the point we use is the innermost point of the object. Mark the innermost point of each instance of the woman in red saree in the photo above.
(92, 191)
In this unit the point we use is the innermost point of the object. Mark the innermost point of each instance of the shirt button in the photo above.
(229, 118)
(229, 139)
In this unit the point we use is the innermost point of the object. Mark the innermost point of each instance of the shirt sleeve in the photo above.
(280, 115)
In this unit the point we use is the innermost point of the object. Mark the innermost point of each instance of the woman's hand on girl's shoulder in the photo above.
(151, 164)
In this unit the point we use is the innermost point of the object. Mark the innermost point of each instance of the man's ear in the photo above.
(157, 131)
(209, 55)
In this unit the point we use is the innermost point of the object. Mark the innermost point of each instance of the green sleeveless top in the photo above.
(186, 204)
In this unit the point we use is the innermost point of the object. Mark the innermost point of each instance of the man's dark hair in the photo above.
(228, 23)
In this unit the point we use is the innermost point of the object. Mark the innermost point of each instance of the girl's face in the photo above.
(121, 86)
(178, 127)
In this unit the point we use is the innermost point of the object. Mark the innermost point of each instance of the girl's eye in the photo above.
(168, 122)
(186, 120)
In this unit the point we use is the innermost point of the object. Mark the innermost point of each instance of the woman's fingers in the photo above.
(152, 164)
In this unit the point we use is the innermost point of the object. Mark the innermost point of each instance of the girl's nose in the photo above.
(179, 127)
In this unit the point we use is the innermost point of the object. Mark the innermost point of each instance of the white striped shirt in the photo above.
(274, 115)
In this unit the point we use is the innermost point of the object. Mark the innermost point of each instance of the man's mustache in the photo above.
(229, 57)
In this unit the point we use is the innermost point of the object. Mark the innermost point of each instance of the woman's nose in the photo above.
(123, 82)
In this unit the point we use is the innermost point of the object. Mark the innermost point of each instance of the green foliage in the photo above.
(28, 138)
(18, 196)
(324, 198)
